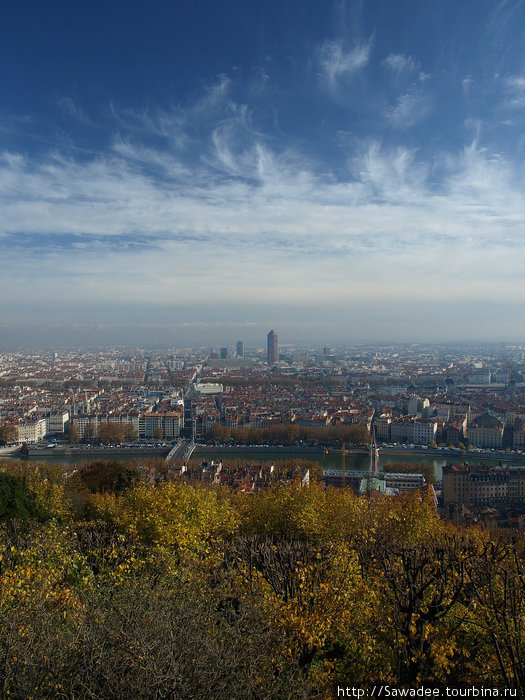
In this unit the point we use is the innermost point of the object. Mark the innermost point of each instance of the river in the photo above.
(333, 460)
(354, 461)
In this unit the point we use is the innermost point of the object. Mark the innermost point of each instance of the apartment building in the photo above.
(485, 430)
(57, 422)
(518, 439)
(166, 425)
(32, 431)
(382, 428)
(403, 481)
(425, 431)
(482, 486)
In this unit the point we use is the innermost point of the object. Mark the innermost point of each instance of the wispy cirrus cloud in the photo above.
(400, 64)
(265, 221)
(201, 206)
(337, 64)
(410, 109)
(514, 91)
(71, 108)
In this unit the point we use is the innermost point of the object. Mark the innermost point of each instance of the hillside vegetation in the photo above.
(178, 591)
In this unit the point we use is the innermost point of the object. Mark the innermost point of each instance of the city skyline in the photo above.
(343, 172)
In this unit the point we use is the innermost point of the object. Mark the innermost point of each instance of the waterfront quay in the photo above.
(43, 453)
(356, 457)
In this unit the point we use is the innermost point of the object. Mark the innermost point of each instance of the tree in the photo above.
(497, 587)
(17, 501)
(111, 433)
(426, 581)
(127, 478)
(130, 434)
(218, 432)
(72, 433)
(103, 476)
(89, 431)
(8, 433)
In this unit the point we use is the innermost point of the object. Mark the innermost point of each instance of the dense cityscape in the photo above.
(466, 394)
(464, 403)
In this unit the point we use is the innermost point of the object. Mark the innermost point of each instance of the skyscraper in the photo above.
(240, 348)
(273, 347)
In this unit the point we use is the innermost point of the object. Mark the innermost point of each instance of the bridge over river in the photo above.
(182, 450)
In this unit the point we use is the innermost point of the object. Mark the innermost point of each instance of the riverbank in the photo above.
(356, 458)
(430, 454)
(37, 453)
(42, 451)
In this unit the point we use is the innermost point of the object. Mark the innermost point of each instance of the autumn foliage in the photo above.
(282, 434)
(184, 591)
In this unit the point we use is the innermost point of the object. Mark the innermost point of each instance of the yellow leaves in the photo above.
(175, 517)
(42, 574)
(337, 607)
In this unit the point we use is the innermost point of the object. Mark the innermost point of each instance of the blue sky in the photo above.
(201, 172)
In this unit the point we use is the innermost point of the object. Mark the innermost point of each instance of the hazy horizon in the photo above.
(182, 175)
(155, 337)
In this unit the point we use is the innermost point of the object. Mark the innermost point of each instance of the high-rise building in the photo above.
(273, 347)
(224, 353)
(240, 348)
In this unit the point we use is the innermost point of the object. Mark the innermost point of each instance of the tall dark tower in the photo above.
(273, 347)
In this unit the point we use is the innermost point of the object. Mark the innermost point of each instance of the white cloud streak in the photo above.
(338, 65)
(115, 232)
(514, 87)
(232, 219)
(400, 64)
(410, 109)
